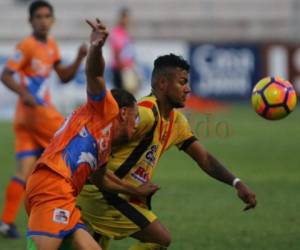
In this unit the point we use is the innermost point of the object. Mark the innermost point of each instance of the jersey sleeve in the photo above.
(185, 136)
(103, 105)
(20, 58)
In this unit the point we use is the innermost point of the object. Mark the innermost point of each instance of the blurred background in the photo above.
(230, 44)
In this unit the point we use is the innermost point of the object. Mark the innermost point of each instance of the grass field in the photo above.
(202, 213)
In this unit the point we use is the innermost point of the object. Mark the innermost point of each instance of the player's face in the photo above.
(42, 21)
(178, 88)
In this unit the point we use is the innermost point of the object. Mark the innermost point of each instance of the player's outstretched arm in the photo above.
(215, 169)
(67, 72)
(95, 62)
(105, 180)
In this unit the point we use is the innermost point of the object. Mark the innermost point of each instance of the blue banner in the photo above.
(224, 71)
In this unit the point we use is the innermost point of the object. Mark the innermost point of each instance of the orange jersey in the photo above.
(83, 143)
(33, 61)
(32, 64)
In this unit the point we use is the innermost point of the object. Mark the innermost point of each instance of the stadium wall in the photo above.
(218, 71)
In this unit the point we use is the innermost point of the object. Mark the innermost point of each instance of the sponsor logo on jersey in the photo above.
(150, 156)
(61, 216)
(141, 175)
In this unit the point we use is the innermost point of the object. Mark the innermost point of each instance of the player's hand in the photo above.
(147, 189)
(99, 32)
(246, 195)
(82, 51)
(28, 99)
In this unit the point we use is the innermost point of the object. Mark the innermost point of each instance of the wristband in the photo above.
(235, 181)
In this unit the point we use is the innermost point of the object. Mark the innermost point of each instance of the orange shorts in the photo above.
(34, 128)
(51, 205)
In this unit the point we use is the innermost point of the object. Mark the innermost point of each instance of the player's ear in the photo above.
(123, 114)
(162, 82)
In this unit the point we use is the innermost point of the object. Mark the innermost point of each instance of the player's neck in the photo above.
(164, 108)
(164, 105)
(39, 37)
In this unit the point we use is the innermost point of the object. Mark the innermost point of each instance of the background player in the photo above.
(122, 49)
(80, 147)
(160, 127)
(36, 119)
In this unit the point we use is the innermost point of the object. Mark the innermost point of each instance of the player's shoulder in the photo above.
(148, 107)
(179, 116)
(148, 113)
(27, 42)
(148, 101)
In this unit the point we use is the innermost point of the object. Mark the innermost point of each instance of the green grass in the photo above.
(202, 213)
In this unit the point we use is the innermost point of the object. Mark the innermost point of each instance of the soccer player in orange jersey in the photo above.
(36, 119)
(80, 149)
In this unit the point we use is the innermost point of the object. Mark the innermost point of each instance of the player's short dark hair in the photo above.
(39, 4)
(123, 98)
(164, 63)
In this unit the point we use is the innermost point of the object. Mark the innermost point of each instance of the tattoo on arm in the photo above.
(215, 169)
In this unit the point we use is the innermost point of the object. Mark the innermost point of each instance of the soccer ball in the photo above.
(273, 98)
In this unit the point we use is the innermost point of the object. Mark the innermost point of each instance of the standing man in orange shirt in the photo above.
(36, 119)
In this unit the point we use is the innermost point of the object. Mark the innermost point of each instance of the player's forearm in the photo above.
(67, 73)
(94, 71)
(10, 83)
(95, 62)
(114, 184)
(208, 163)
(216, 170)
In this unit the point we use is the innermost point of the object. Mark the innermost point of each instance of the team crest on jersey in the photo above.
(40, 67)
(61, 216)
(150, 156)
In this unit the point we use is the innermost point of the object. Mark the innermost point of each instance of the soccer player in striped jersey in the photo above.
(115, 216)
